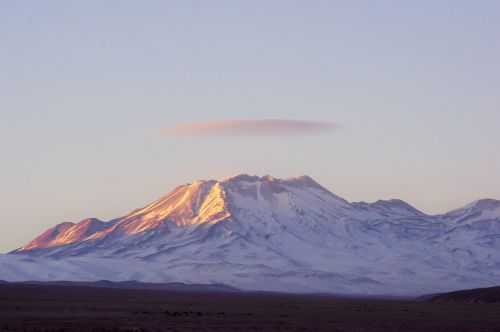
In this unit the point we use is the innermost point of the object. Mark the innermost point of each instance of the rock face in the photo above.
(272, 234)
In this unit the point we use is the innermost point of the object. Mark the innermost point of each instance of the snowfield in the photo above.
(263, 233)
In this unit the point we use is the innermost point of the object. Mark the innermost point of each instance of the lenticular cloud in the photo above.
(272, 127)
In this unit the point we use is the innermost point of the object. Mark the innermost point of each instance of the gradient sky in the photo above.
(88, 88)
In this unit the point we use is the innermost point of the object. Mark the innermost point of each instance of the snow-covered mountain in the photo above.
(265, 233)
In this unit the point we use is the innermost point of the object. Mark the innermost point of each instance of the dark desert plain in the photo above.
(37, 307)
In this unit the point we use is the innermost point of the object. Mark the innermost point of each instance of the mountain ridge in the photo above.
(68, 232)
(64, 230)
(265, 233)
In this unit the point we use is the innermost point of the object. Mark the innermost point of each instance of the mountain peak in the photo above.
(66, 233)
(397, 204)
(243, 178)
(391, 207)
(481, 208)
(200, 202)
(303, 180)
(485, 204)
(478, 205)
(300, 182)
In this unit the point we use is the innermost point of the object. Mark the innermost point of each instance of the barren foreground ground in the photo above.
(71, 308)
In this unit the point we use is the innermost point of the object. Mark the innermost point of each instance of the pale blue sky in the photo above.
(86, 88)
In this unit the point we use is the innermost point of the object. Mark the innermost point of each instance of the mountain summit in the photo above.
(267, 233)
(198, 203)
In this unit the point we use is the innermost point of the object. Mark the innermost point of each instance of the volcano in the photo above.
(265, 233)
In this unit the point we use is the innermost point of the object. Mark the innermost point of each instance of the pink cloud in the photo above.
(270, 127)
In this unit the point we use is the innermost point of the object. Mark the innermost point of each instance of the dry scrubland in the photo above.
(75, 308)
